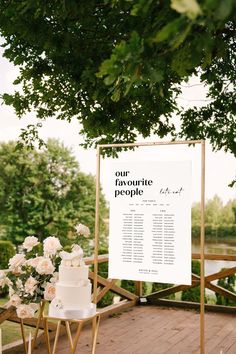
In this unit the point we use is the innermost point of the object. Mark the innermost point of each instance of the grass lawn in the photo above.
(10, 330)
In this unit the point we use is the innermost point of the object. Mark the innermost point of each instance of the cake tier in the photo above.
(72, 314)
(72, 275)
(74, 296)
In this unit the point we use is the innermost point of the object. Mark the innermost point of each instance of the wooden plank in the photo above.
(103, 292)
(116, 308)
(221, 274)
(169, 291)
(221, 291)
(138, 288)
(31, 322)
(116, 289)
(208, 256)
(6, 313)
(193, 305)
(101, 259)
(215, 257)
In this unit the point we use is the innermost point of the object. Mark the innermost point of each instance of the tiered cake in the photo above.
(73, 289)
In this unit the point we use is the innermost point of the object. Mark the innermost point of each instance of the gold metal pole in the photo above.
(202, 251)
(176, 142)
(80, 325)
(23, 335)
(56, 337)
(95, 280)
(47, 340)
(95, 326)
(40, 317)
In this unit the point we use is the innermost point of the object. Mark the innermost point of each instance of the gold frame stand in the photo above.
(72, 341)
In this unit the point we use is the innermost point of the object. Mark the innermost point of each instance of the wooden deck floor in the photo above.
(155, 330)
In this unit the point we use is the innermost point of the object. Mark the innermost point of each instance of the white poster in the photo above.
(150, 222)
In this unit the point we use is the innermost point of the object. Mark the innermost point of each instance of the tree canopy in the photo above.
(118, 65)
(44, 193)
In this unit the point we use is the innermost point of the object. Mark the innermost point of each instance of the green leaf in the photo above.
(167, 31)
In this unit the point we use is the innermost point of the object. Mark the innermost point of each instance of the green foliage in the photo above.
(219, 218)
(7, 250)
(130, 286)
(160, 286)
(103, 272)
(121, 66)
(44, 193)
(193, 294)
(227, 283)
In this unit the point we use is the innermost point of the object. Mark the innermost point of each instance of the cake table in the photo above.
(95, 319)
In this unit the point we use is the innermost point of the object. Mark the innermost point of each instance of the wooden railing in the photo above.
(157, 297)
(129, 299)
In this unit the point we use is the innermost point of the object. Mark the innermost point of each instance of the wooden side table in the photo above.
(73, 341)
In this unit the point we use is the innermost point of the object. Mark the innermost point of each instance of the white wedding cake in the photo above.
(73, 289)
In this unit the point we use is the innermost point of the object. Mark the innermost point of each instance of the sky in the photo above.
(220, 166)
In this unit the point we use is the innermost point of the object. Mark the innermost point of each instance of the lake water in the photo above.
(216, 246)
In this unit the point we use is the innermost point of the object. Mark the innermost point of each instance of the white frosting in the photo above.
(72, 275)
(73, 293)
(74, 297)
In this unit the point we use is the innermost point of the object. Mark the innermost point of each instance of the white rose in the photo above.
(16, 262)
(25, 311)
(51, 245)
(4, 280)
(45, 266)
(49, 292)
(11, 292)
(15, 300)
(33, 262)
(54, 278)
(19, 284)
(30, 285)
(30, 242)
(82, 230)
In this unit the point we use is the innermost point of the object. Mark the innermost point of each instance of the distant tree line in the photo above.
(220, 220)
(43, 192)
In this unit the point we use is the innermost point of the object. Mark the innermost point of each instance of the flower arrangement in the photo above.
(32, 274)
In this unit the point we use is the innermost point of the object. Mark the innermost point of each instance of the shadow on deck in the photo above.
(157, 330)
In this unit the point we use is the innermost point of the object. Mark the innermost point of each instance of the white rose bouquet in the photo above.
(32, 274)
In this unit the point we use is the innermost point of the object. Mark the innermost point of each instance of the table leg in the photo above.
(47, 340)
(56, 337)
(95, 326)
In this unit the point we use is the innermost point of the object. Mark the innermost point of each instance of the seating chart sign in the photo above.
(150, 221)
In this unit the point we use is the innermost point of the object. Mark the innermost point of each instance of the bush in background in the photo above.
(7, 250)
(193, 294)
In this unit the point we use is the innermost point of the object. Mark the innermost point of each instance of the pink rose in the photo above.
(15, 300)
(30, 285)
(45, 266)
(25, 311)
(16, 262)
(30, 242)
(4, 280)
(33, 262)
(82, 230)
(51, 245)
(50, 292)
